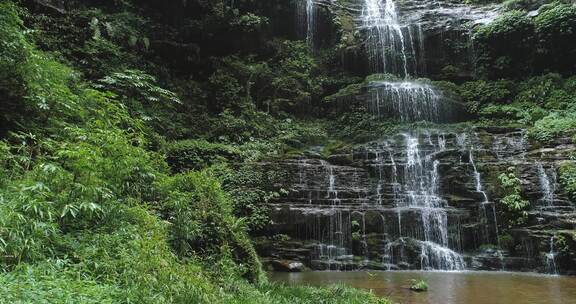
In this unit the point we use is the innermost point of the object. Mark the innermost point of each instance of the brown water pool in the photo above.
(449, 287)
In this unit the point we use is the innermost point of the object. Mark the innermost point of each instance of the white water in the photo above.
(547, 184)
(407, 101)
(418, 193)
(306, 19)
(386, 42)
(485, 203)
(335, 247)
(551, 258)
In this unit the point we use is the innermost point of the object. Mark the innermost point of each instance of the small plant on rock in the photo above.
(419, 285)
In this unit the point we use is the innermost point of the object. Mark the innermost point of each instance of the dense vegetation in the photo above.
(128, 130)
(90, 210)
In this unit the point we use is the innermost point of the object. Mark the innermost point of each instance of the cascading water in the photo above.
(407, 201)
(392, 49)
(415, 193)
(407, 101)
(335, 246)
(547, 184)
(306, 19)
(550, 257)
(386, 43)
(484, 204)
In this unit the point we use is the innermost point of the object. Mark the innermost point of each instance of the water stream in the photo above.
(449, 287)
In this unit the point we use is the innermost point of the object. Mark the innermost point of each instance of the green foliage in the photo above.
(252, 188)
(554, 125)
(78, 192)
(515, 207)
(306, 295)
(135, 84)
(250, 22)
(35, 86)
(144, 99)
(556, 30)
(506, 45)
(546, 91)
(568, 178)
(283, 83)
(419, 285)
(198, 154)
(514, 45)
(518, 112)
(54, 283)
(476, 94)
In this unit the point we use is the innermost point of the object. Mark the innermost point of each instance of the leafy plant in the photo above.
(515, 206)
(419, 285)
(505, 45)
(568, 177)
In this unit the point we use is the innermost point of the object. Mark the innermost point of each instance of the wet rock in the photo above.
(287, 266)
(354, 215)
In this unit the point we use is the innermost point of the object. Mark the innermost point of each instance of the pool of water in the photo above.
(449, 287)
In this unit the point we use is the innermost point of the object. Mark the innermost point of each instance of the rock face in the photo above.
(422, 38)
(425, 200)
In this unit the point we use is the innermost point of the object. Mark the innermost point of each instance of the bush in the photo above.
(505, 47)
(545, 91)
(476, 94)
(198, 154)
(568, 178)
(515, 207)
(252, 187)
(419, 285)
(554, 125)
(556, 30)
(203, 224)
(522, 113)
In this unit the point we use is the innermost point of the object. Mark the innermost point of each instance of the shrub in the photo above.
(554, 125)
(479, 93)
(542, 90)
(419, 285)
(568, 178)
(556, 30)
(203, 224)
(515, 207)
(198, 154)
(505, 47)
(252, 187)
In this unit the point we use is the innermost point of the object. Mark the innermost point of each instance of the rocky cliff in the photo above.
(426, 199)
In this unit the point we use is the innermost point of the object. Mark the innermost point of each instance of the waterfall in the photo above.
(416, 193)
(336, 246)
(306, 19)
(407, 101)
(485, 202)
(394, 48)
(551, 258)
(389, 44)
(547, 184)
